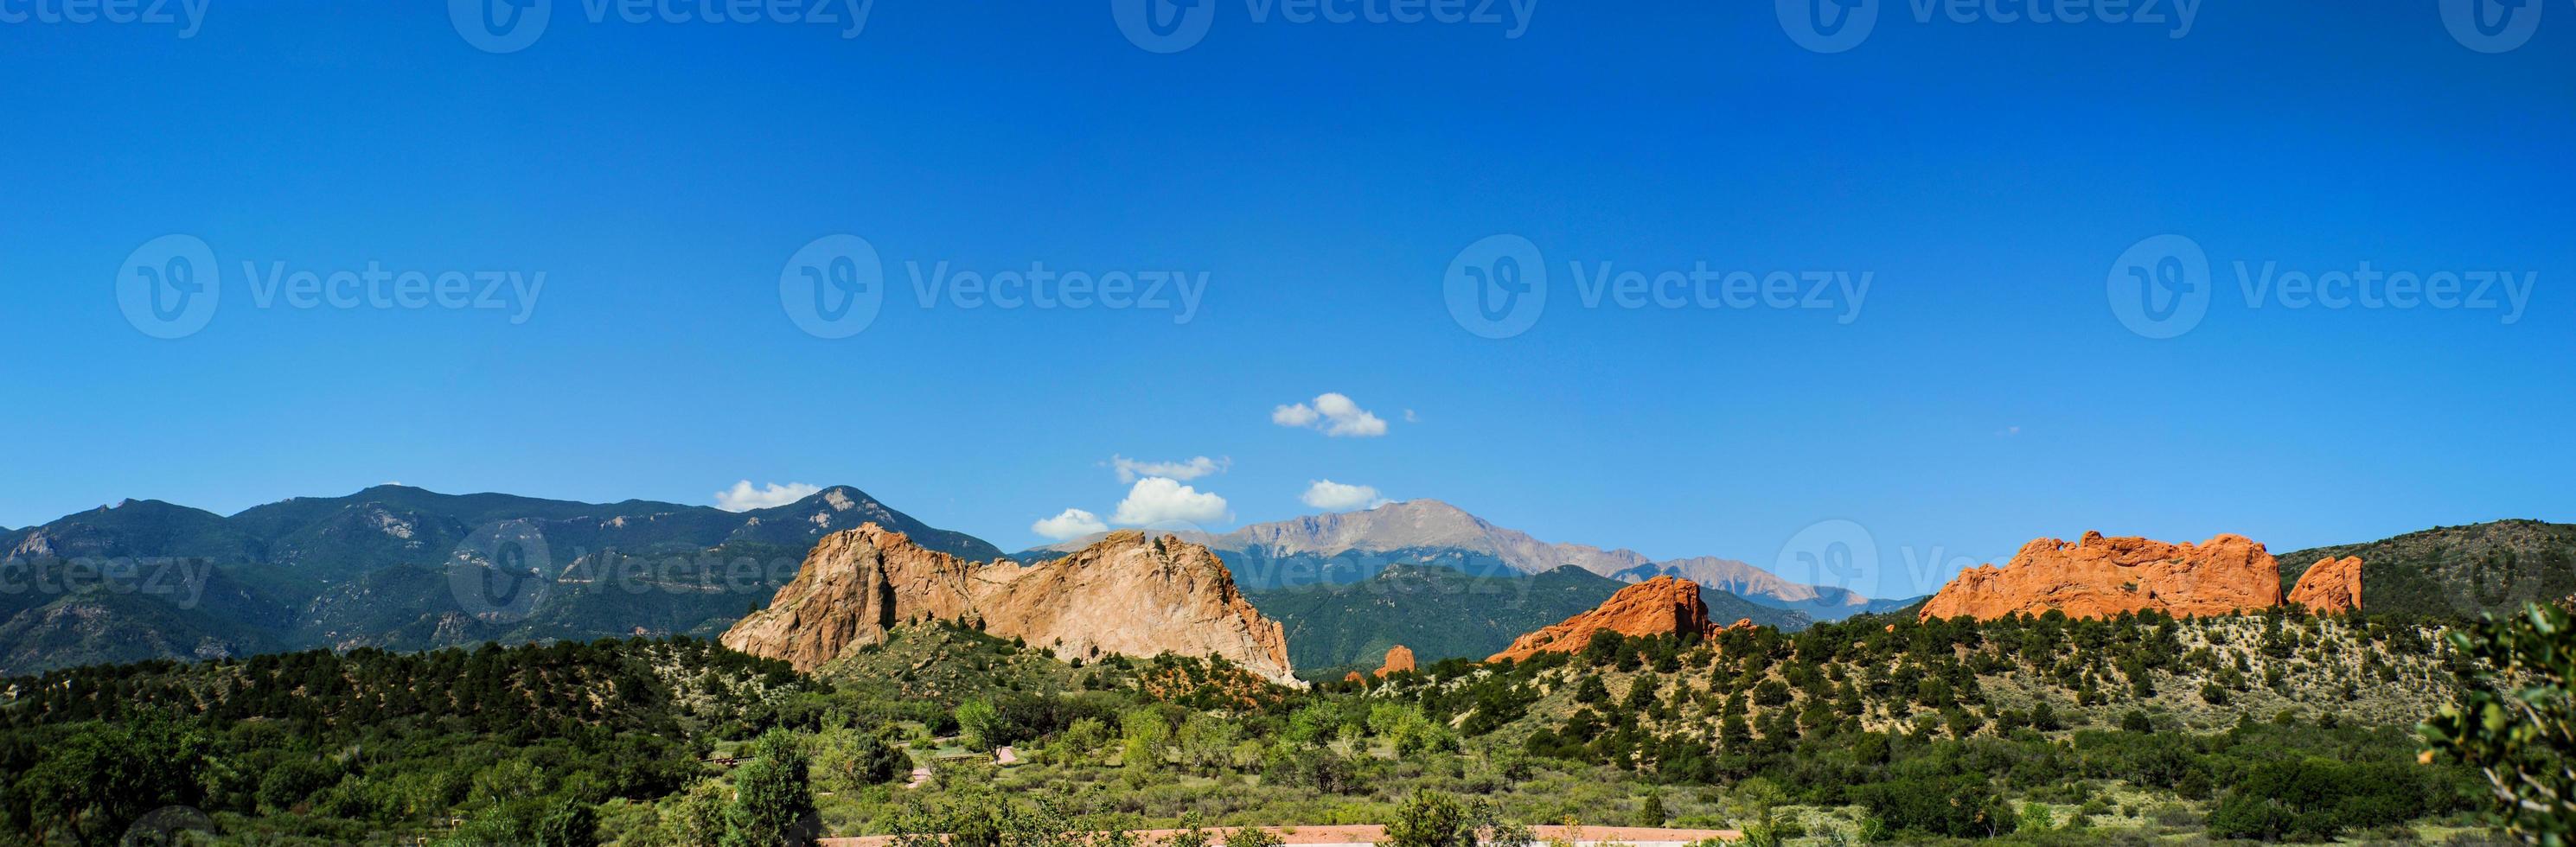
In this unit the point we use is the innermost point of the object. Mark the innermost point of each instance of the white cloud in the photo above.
(1157, 500)
(1074, 523)
(1130, 470)
(743, 498)
(1335, 414)
(1335, 497)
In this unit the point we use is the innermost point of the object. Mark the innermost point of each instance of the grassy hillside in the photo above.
(2457, 571)
(1442, 613)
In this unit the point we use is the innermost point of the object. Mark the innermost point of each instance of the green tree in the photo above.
(570, 823)
(1144, 735)
(102, 778)
(2513, 720)
(2036, 818)
(1650, 813)
(846, 759)
(1430, 819)
(773, 799)
(980, 725)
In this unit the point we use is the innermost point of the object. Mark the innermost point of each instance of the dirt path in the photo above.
(1354, 835)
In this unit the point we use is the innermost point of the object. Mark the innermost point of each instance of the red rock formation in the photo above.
(1659, 606)
(1398, 660)
(1354, 676)
(2331, 587)
(2100, 577)
(1126, 594)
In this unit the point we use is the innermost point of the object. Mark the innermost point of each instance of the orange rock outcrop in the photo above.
(1659, 606)
(1127, 594)
(2099, 577)
(2331, 587)
(1399, 659)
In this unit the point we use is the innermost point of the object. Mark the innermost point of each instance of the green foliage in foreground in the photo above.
(1879, 729)
(2514, 723)
(330, 747)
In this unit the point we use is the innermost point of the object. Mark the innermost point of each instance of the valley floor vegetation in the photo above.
(2139, 729)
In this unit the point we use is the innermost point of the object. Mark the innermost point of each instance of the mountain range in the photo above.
(1349, 547)
(402, 568)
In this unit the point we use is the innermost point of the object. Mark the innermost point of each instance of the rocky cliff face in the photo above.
(1659, 606)
(1399, 659)
(2330, 587)
(2100, 577)
(1126, 594)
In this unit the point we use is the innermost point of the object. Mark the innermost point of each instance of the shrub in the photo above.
(1430, 819)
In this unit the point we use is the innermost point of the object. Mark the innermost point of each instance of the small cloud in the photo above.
(2008, 432)
(1409, 418)
(1157, 500)
(743, 498)
(1130, 470)
(1074, 523)
(1334, 414)
(1332, 496)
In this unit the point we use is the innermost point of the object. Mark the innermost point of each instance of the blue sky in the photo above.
(1322, 177)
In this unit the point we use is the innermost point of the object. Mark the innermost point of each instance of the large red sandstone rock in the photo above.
(2332, 587)
(1659, 606)
(1399, 659)
(1127, 594)
(2100, 577)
